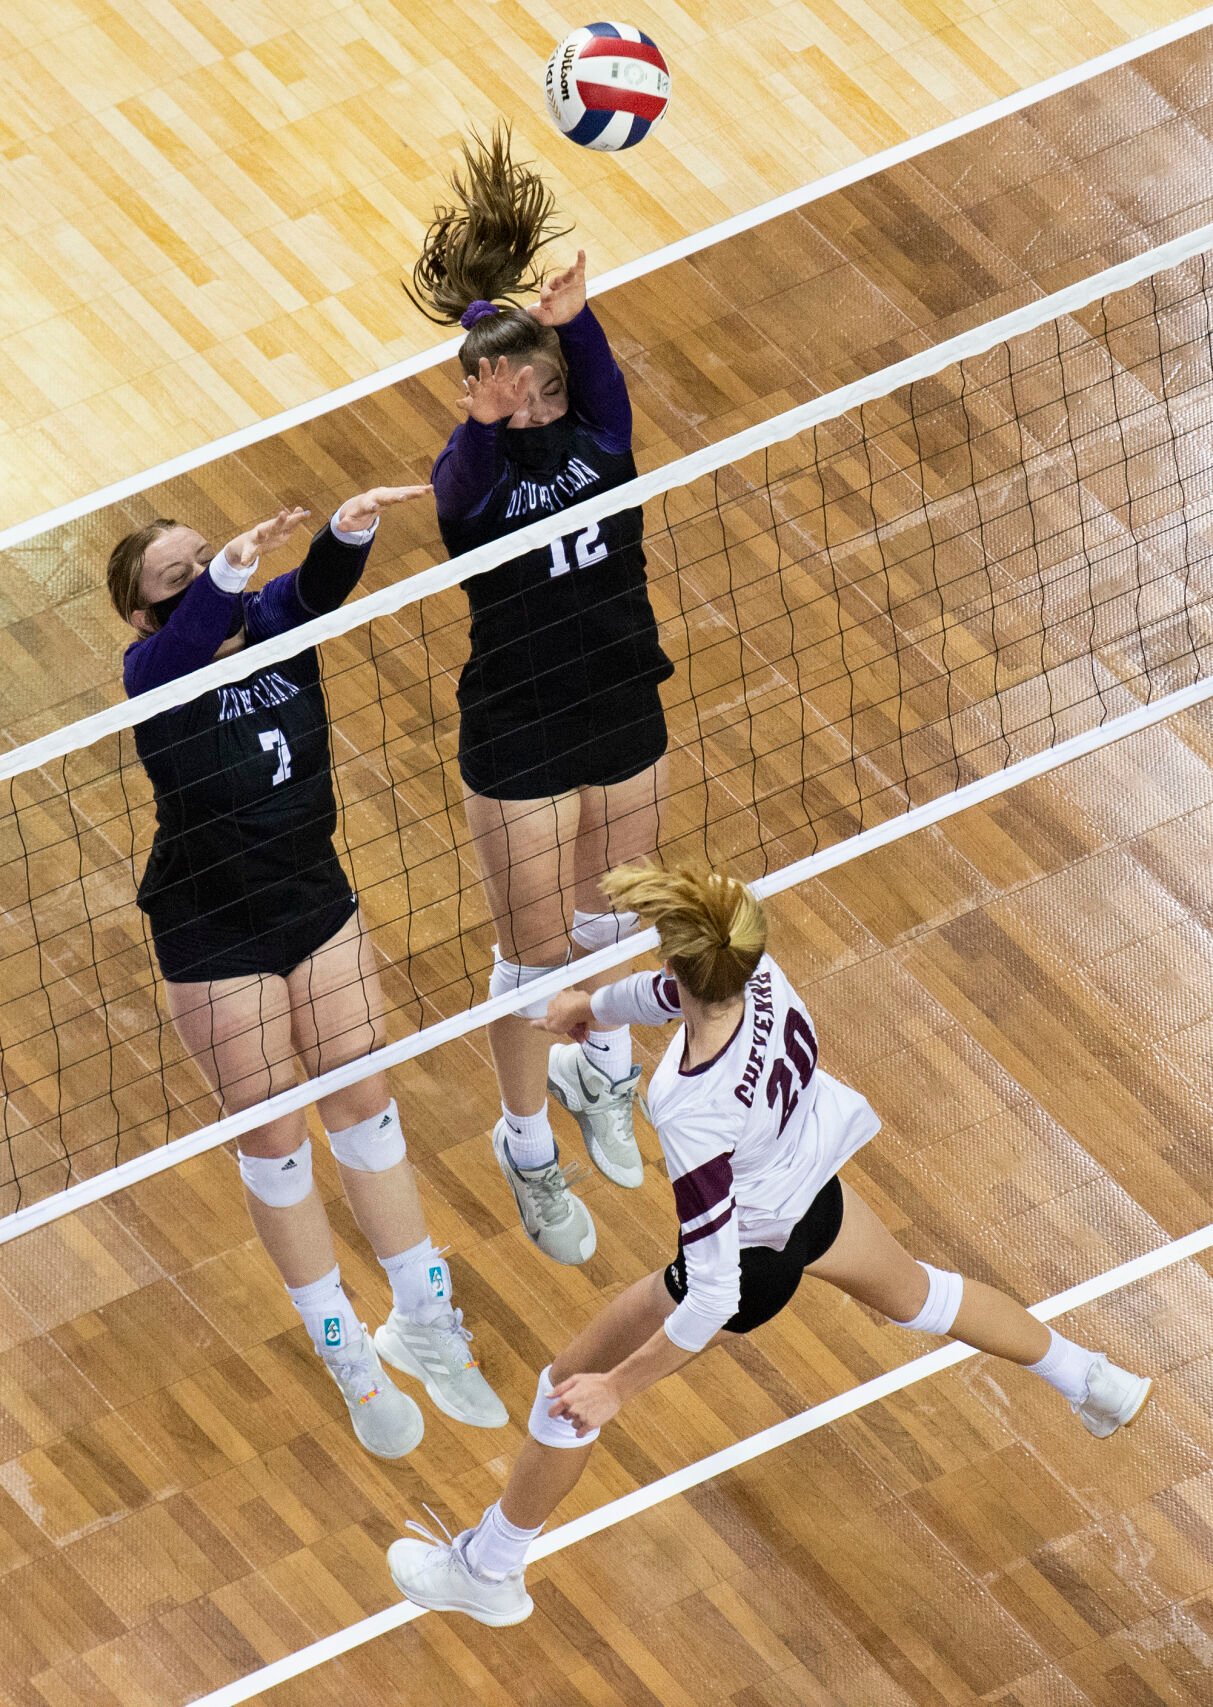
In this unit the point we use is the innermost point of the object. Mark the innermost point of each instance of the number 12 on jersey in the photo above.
(588, 549)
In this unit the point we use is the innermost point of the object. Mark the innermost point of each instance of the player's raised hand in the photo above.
(358, 513)
(495, 393)
(569, 1014)
(266, 536)
(562, 295)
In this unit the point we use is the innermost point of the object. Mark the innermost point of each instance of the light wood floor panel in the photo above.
(207, 210)
(185, 1466)
(728, 337)
(1023, 993)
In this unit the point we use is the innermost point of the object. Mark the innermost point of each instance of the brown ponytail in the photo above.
(482, 249)
(712, 929)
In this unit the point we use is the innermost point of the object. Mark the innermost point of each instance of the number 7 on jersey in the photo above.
(274, 741)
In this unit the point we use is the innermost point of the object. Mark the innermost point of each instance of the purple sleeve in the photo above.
(189, 639)
(323, 581)
(467, 470)
(597, 389)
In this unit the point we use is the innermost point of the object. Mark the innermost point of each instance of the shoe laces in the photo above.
(453, 1338)
(549, 1190)
(357, 1366)
(446, 1539)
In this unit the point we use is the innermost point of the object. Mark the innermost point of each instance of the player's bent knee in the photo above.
(372, 1145)
(508, 976)
(944, 1294)
(554, 1431)
(279, 1181)
(602, 930)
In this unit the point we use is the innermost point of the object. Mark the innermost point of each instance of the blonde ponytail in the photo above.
(712, 929)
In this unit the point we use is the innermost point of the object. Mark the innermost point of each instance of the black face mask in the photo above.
(541, 450)
(164, 608)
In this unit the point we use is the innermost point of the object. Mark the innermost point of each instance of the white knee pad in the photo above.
(553, 1431)
(280, 1181)
(506, 976)
(944, 1292)
(602, 930)
(373, 1145)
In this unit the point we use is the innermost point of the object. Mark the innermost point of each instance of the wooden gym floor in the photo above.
(1023, 994)
(207, 208)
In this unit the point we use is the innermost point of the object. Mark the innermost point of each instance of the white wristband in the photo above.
(228, 577)
(358, 537)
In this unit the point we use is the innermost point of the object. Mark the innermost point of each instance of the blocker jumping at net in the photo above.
(562, 734)
(754, 1133)
(264, 955)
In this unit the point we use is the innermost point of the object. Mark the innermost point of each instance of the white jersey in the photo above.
(750, 1137)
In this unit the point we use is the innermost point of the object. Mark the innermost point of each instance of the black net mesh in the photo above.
(861, 619)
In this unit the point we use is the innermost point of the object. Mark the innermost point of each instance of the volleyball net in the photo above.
(875, 604)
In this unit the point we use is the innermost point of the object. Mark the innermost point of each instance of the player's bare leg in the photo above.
(869, 1264)
(596, 1080)
(480, 1572)
(543, 1475)
(239, 1033)
(338, 1016)
(525, 852)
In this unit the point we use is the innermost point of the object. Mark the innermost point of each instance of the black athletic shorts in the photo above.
(768, 1277)
(199, 951)
(603, 741)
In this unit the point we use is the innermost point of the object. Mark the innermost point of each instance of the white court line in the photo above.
(533, 536)
(231, 443)
(394, 1054)
(716, 1464)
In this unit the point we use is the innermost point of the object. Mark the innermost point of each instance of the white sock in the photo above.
(529, 1138)
(1065, 1366)
(327, 1313)
(497, 1547)
(610, 1052)
(420, 1281)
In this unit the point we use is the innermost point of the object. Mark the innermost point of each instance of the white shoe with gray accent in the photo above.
(555, 1220)
(437, 1353)
(602, 1107)
(386, 1421)
(1115, 1398)
(436, 1574)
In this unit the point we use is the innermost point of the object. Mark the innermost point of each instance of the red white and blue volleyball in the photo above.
(607, 86)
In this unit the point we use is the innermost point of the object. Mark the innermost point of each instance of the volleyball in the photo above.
(607, 85)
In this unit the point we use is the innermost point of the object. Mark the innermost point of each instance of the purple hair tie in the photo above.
(477, 311)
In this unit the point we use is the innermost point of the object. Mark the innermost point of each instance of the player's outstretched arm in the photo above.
(243, 551)
(562, 295)
(598, 391)
(358, 514)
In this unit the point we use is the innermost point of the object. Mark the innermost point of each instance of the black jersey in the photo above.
(568, 625)
(245, 812)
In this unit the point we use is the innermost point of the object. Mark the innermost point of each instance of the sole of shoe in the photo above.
(589, 1243)
(403, 1362)
(1141, 1405)
(605, 1167)
(392, 1457)
(629, 1182)
(1134, 1414)
(499, 1620)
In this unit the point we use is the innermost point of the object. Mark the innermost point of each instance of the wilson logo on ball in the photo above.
(607, 85)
